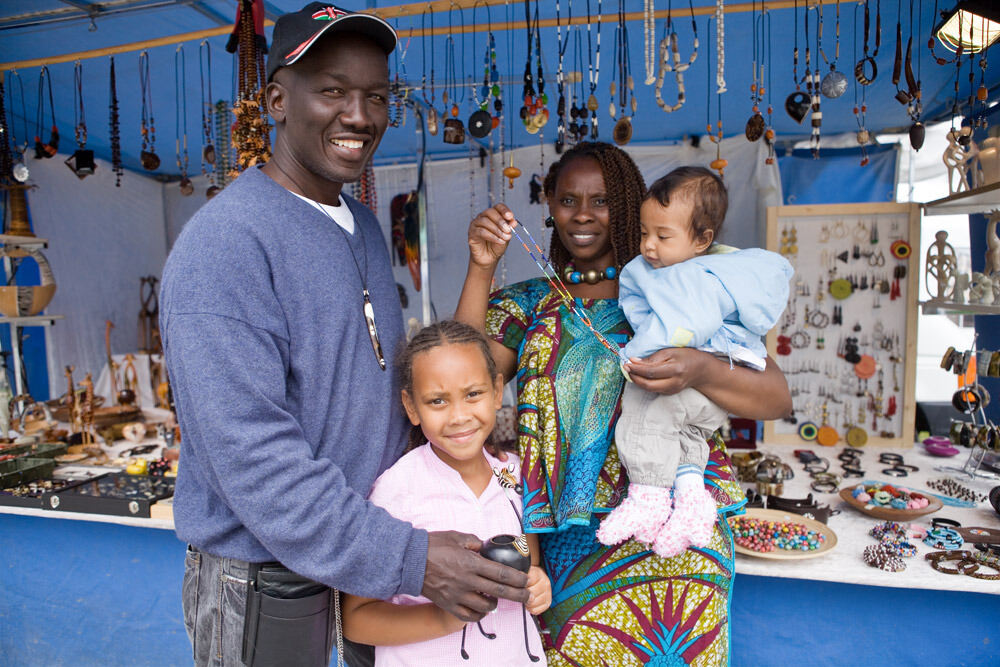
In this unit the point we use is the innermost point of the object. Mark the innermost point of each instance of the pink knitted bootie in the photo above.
(640, 515)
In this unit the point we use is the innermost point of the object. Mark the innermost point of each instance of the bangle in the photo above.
(820, 465)
(882, 557)
(906, 466)
(895, 472)
(890, 457)
(947, 523)
(961, 566)
(824, 486)
(853, 470)
(944, 538)
(979, 575)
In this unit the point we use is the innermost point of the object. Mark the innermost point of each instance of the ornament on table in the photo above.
(992, 265)
(962, 281)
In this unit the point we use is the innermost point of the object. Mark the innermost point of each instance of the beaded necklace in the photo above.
(797, 104)
(754, 129)
(860, 107)
(622, 82)
(561, 81)
(432, 114)
(813, 85)
(593, 70)
(720, 47)
(113, 121)
(79, 117)
(719, 163)
(559, 287)
(207, 124)
(18, 169)
(534, 115)
(6, 157)
(147, 156)
(180, 120)
(668, 51)
(250, 132)
(45, 150)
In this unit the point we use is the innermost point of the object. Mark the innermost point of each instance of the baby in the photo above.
(685, 291)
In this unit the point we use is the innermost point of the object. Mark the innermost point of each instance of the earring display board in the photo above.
(847, 342)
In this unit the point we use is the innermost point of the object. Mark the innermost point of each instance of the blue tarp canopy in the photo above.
(31, 29)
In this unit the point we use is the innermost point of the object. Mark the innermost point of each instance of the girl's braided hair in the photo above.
(446, 332)
(624, 189)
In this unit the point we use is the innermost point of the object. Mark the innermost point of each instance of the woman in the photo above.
(616, 605)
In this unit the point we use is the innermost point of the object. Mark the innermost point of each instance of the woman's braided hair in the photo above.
(446, 332)
(624, 199)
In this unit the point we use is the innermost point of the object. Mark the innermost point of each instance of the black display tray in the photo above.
(116, 493)
(30, 494)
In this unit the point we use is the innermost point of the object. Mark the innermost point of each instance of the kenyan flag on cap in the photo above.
(329, 14)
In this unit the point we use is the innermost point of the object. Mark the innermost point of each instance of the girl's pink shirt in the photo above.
(424, 490)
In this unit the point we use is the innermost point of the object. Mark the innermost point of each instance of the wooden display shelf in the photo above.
(32, 320)
(23, 241)
(950, 307)
(980, 200)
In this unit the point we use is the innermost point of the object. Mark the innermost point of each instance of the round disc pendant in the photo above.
(20, 172)
(856, 436)
(208, 154)
(834, 85)
(480, 124)
(827, 436)
(840, 288)
(187, 187)
(150, 161)
(755, 127)
(622, 134)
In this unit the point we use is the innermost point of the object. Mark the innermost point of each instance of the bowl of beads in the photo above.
(885, 501)
(780, 535)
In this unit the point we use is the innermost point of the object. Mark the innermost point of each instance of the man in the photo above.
(280, 321)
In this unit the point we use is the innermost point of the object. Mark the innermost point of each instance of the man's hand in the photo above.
(541, 591)
(465, 584)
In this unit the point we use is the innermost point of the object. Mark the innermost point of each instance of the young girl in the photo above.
(447, 481)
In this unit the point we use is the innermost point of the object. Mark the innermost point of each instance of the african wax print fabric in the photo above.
(620, 605)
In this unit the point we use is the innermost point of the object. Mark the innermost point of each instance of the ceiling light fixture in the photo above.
(972, 26)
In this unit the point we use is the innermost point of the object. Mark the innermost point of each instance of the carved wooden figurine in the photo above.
(992, 245)
(962, 161)
(942, 265)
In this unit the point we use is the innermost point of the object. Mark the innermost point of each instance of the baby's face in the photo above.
(666, 237)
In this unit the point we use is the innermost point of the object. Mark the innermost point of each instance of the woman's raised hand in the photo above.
(489, 234)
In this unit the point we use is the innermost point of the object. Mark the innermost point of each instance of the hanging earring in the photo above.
(550, 221)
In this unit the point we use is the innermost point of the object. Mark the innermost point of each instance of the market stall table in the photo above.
(94, 589)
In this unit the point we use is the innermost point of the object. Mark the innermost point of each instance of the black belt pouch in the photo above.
(289, 619)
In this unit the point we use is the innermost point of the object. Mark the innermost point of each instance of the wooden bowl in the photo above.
(889, 513)
(829, 537)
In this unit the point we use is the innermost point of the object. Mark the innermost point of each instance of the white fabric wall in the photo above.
(102, 239)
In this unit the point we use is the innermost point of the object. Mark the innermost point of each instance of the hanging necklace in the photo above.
(578, 111)
(534, 114)
(797, 104)
(561, 81)
(428, 45)
(625, 85)
(481, 123)
(916, 105)
(720, 46)
(982, 93)
(79, 116)
(813, 86)
(367, 309)
(769, 125)
(593, 70)
(207, 123)
(114, 122)
(19, 169)
(51, 148)
(250, 131)
(397, 88)
(649, 39)
(719, 163)
(860, 68)
(180, 124)
(6, 156)
(670, 61)
(147, 156)
(834, 84)
(454, 129)
(754, 129)
(81, 162)
(863, 136)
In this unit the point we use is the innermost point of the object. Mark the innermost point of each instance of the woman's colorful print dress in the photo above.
(620, 605)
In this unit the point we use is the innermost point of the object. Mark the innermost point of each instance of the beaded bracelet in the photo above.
(878, 555)
(880, 530)
(962, 565)
(944, 538)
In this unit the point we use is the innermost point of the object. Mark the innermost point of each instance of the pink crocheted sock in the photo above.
(641, 514)
(691, 522)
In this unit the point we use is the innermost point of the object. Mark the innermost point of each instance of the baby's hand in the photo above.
(539, 591)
